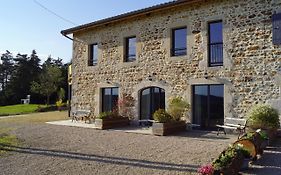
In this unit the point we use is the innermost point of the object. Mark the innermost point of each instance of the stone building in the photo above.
(222, 56)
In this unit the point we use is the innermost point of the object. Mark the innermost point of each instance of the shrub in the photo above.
(59, 103)
(47, 109)
(263, 134)
(105, 115)
(225, 158)
(108, 115)
(162, 116)
(263, 116)
(244, 151)
(125, 106)
(177, 107)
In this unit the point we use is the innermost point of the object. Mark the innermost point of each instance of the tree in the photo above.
(6, 69)
(61, 94)
(48, 82)
(26, 70)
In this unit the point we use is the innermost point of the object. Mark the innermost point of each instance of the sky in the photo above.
(25, 25)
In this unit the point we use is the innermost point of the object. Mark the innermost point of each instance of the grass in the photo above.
(36, 118)
(19, 109)
(7, 139)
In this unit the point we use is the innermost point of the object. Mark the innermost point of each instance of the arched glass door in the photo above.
(151, 99)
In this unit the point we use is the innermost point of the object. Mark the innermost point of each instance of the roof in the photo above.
(128, 15)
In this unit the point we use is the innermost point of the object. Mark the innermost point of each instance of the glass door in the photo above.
(151, 99)
(208, 105)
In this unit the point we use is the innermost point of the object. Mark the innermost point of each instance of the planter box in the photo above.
(271, 133)
(246, 164)
(233, 168)
(162, 129)
(111, 123)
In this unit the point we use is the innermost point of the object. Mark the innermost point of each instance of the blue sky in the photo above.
(25, 26)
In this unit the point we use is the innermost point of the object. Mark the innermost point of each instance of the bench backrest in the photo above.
(81, 112)
(235, 121)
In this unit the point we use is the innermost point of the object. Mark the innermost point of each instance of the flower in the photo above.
(206, 170)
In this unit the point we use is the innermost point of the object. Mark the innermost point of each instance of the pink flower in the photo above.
(206, 170)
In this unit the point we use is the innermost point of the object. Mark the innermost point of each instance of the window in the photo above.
(178, 42)
(276, 34)
(130, 55)
(109, 99)
(93, 56)
(215, 48)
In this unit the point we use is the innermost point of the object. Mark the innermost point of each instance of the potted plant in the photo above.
(165, 124)
(171, 121)
(177, 107)
(264, 117)
(255, 138)
(247, 156)
(264, 137)
(229, 162)
(107, 120)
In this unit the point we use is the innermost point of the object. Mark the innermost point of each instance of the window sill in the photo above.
(129, 64)
(216, 67)
(178, 58)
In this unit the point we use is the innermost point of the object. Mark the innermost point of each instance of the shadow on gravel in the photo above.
(269, 163)
(203, 135)
(103, 159)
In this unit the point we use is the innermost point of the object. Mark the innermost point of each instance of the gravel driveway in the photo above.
(50, 149)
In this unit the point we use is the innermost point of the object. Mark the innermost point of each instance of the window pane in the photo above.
(95, 53)
(145, 104)
(131, 49)
(216, 32)
(179, 42)
(200, 106)
(109, 99)
(276, 32)
(216, 102)
(106, 100)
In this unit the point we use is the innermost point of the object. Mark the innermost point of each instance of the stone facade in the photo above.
(252, 64)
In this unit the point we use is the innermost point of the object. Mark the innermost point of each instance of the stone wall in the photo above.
(252, 64)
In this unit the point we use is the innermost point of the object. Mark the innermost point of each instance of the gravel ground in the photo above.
(50, 149)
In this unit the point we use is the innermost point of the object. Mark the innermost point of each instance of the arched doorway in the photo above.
(151, 99)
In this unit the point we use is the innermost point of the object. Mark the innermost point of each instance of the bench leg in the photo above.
(241, 132)
(222, 130)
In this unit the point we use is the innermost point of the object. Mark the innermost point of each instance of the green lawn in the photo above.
(19, 109)
(7, 139)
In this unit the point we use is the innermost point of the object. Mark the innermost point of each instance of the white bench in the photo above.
(233, 124)
(78, 114)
